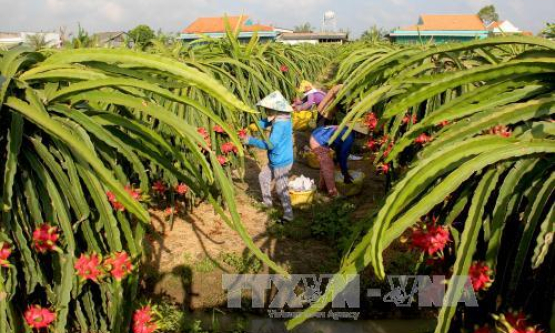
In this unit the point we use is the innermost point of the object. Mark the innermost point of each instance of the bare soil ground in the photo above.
(184, 262)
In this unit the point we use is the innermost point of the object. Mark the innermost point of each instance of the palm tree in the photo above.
(549, 31)
(37, 41)
(305, 27)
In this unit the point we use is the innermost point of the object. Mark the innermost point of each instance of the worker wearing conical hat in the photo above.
(280, 150)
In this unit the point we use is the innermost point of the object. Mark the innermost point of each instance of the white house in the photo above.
(312, 37)
(502, 27)
(52, 39)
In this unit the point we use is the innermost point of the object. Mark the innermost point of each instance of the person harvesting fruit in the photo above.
(326, 113)
(280, 151)
(321, 146)
(312, 97)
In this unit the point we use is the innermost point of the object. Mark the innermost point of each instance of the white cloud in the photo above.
(112, 11)
(476, 5)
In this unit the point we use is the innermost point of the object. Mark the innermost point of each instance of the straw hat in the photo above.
(275, 101)
(303, 86)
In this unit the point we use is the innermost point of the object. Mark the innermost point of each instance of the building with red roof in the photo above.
(442, 29)
(215, 27)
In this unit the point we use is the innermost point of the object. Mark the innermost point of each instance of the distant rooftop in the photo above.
(313, 35)
(459, 22)
(205, 25)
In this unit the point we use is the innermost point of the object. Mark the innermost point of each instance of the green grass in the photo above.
(205, 265)
(241, 263)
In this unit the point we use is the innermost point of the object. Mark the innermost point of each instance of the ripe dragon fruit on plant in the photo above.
(143, 321)
(218, 129)
(383, 168)
(408, 118)
(480, 275)
(515, 322)
(118, 265)
(422, 139)
(5, 252)
(38, 317)
(45, 238)
(159, 187)
(501, 130)
(206, 136)
(89, 267)
(181, 189)
(430, 238)
(371, 144)
(242, 133)
(228, 148)
(221, 159)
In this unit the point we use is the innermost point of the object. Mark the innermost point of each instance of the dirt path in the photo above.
(184, 263)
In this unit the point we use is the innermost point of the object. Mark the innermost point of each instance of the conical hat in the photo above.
(360, 127)
(275, 101)
(304, 85)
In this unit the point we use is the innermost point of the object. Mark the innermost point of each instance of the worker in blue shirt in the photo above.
(320, 145)
(280, 151)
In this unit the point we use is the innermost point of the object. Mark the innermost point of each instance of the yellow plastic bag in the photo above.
(303, 120)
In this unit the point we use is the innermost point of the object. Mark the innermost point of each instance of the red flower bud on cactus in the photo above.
(45, 238)
(284, 68)
(480, 275)
(38, 317)
(444, 123)
(159, 187)
(88, 267)
(5, 252)
(181, 189)
(119, 265)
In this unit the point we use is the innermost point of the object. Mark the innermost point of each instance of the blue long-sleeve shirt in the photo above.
(280, 149)
(342, 148)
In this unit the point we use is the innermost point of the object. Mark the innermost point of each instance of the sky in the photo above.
(174, 15)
